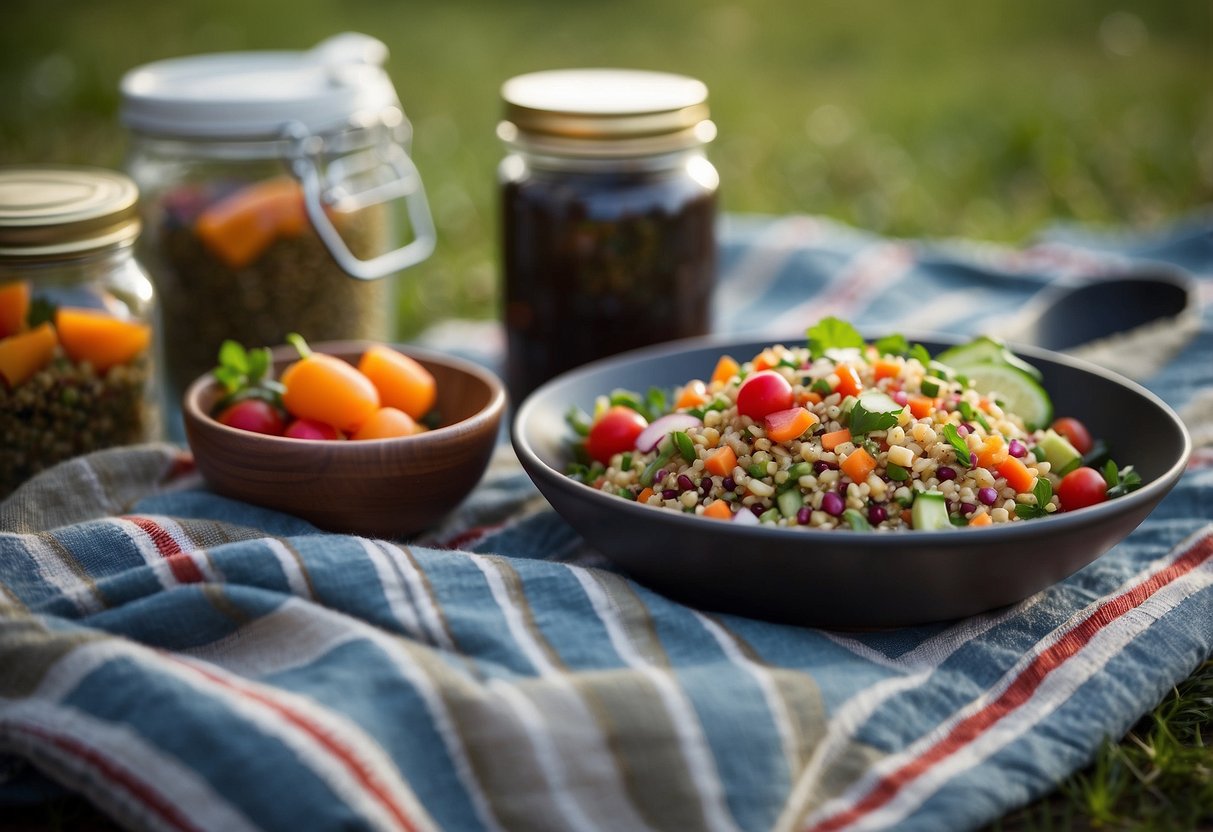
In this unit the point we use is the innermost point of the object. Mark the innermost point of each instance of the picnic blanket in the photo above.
(184, 661)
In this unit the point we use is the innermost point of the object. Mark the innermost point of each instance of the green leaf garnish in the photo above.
(832, 333)
(1043, 492)
(246, 374)
(919, 352)
(1120, 480)
(958, 444)
(895, 344)
(873, 410)
(971, 415)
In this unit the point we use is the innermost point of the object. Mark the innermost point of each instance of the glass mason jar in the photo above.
(76, 319)
(608, 207)
(272, 185)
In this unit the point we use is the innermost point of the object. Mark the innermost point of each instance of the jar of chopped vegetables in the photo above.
(76, 319)
(276, 188)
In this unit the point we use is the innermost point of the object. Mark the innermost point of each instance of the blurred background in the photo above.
(989, 120)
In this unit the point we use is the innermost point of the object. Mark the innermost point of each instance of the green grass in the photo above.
(987, 119)
(937, 118)
(1158, 778)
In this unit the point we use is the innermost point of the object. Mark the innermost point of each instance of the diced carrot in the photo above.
(984, 404)
(401, 381)
(992, 452)
(809, 397)
(693, 394)
(99, 338)
(1017, 474)
(14, 307)
(386, 423)
(26, 353)
(848, 381)
(239, 228)
(726, 368)
(982, 519)
(327, 389)
(765, 360)
(643, 496)
(786, 425)
(719, 509)
(921, 406)
(858, 465)
(832, 440)
(721, 462)
(886, 368)
(907, 516)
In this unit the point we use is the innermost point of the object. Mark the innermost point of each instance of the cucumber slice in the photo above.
(1020, 393)
(930, 511)
(985, 350)
(790, 502)
(1061, 455)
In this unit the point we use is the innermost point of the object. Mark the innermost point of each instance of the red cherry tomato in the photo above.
(614, 432)
(253, 415)
(763, 393)
(311, 429)
(1075, 432)
(1080, 488)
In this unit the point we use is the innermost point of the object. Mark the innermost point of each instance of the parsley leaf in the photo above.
(832, 333)
(1120, 480)
(892, 345)
(1043, 492)
(971, 415)
(919, 352)
(873, 410)
(958, 444)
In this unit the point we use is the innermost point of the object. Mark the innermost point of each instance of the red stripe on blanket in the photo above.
(1022, 687)
(363, 773)
(113, 774)
(182, 565)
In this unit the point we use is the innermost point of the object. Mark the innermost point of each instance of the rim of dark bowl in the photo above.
(1075, 520)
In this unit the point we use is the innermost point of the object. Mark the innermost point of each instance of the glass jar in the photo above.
(272, 188)
(76, 319)
(608, 207)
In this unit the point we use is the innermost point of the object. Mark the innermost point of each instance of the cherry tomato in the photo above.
(1080, 488)
(311, 429)
(253, 415)
(1075, 432)
(614, 432)
(762, 393)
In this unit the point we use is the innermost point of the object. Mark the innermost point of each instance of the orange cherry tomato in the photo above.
(327, 389)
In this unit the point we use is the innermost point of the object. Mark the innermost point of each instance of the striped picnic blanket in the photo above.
(187, 662)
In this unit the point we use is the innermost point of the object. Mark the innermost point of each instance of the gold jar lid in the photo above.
(605, 112)
(65, 211)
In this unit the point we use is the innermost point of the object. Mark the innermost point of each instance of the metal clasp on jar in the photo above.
(373, 174)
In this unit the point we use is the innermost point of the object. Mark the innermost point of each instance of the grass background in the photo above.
(937, 118)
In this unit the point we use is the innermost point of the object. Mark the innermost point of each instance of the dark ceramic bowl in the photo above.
(837, 578)
(387, 488)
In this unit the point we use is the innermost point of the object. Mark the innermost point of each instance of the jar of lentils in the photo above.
(76, 319)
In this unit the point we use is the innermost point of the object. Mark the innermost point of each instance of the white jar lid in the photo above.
(254, 95)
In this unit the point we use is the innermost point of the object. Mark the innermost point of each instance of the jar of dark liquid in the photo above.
(608, 216)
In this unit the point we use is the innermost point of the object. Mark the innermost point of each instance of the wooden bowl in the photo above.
(387, 488)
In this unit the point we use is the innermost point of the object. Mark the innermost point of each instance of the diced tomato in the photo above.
(1082, 487)
(1075, 432)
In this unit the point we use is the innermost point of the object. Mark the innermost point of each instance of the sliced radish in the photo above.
(746, 517)
(650, 436)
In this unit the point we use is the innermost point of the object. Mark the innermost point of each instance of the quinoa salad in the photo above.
(840, 433)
